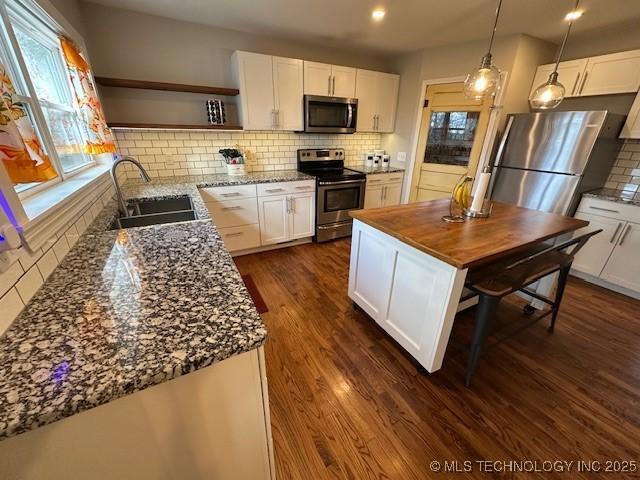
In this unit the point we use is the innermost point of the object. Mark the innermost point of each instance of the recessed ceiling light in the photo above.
(573, 15)
(378, 14)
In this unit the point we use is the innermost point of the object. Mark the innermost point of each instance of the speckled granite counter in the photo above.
(126, 310)
(615, 195)
(372, 171)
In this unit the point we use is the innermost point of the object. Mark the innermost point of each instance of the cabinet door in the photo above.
(287, 89)
(570, 74)
(317, 78)
(593, 256)
(303, 214)
(255, 79)
(274, 219)
(387, 87)
(392, 194)
(623, 267)
(366, 93)
(373, 196)
(343, 81)
(631, 127)
(609, 74)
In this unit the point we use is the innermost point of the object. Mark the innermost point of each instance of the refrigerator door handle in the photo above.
(503, 143)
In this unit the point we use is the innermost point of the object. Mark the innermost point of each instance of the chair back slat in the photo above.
(579, 242)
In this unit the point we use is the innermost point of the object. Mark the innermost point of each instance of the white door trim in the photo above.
(487, 146)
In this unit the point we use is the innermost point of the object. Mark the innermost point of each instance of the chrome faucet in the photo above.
(122, 204)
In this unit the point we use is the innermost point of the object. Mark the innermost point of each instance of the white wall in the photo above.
(617, 38)
(126, 44)
(519, 55)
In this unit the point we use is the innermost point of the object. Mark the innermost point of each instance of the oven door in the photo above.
(335, 199)
(330, 114)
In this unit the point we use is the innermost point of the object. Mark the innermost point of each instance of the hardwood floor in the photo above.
(346, 402)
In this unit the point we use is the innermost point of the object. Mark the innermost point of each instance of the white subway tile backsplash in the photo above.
(174, 153)
(61, 248)
(10, 306)
(625, 173)
(10, 277)
(29, 284)
(47, 263)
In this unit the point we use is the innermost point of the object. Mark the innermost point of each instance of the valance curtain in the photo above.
(20, 151)
(98, 136)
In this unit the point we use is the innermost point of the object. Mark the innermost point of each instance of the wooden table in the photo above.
(408, 267)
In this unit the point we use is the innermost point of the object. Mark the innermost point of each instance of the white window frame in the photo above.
(47, 31)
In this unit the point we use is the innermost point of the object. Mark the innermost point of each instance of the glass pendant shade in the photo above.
(548, 95)
(484, 82)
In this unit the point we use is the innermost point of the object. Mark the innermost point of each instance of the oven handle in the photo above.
(350, 115)
(342, 182)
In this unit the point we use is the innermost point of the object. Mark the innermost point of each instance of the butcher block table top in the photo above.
(474, 242)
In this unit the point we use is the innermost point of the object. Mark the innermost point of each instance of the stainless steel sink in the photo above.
(156, 211)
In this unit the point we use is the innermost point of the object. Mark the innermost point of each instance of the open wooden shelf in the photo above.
(174, 126)
(169, 87)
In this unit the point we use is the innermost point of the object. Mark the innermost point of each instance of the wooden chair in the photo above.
(495, 281)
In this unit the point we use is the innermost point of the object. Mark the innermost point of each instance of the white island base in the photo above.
(413, 296)
(209, 424)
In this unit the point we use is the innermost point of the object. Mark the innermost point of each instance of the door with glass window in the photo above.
(452, 134)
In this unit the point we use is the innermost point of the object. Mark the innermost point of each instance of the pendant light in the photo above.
(485, 81)
(550, 94)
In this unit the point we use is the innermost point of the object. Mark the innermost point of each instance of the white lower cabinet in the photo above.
(250, 216)
(612, 255)
(286, 217)
(623, 266)
(383, 190)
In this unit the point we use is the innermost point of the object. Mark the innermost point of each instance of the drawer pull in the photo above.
(604, 209)
(236, 207)
(615, 234)
(273, 190)
(396, 178)
(306, 187)
(624, 235)
(232, 194)
(235, 234)
(374, 181)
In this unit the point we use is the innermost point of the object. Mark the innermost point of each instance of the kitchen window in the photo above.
(31, 52)
(451, 136)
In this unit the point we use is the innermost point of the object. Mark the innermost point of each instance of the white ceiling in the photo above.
(409, 24)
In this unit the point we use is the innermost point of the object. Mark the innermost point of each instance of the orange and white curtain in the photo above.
(20, 151)
(99, 138)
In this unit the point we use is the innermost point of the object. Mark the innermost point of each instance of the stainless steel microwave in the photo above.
(330, 114)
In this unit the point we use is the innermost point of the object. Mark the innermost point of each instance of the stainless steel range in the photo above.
(338, 191)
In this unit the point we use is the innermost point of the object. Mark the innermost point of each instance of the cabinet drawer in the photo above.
(233, 213)
(605, 208)
(231, 192)
(281, 188)
(384, 178)
(241, 238)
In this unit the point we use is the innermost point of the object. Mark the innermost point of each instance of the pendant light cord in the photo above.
(495, 25)
(564, 40)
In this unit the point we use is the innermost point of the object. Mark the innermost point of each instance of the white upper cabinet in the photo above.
(270, 91)
(615, 73)
(569, 74)
(287, 90)
(377, 95)
(631, 128)
(601, 75)
(329, 80)
(254, 78)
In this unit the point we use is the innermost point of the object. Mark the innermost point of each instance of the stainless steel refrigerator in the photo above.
(545, 161)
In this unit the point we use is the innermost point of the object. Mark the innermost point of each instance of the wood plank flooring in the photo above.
(347, 402)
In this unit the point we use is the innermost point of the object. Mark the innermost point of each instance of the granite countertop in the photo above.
(128, 309)
(614, 195)
(373, 171)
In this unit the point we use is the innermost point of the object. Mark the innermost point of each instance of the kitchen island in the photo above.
(408, 267)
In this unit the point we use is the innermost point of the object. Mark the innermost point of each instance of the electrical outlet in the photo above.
(401, 157)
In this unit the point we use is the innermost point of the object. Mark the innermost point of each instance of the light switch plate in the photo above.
(402, 156)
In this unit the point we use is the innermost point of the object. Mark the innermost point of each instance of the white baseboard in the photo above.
(605, 284)
(266, 248)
